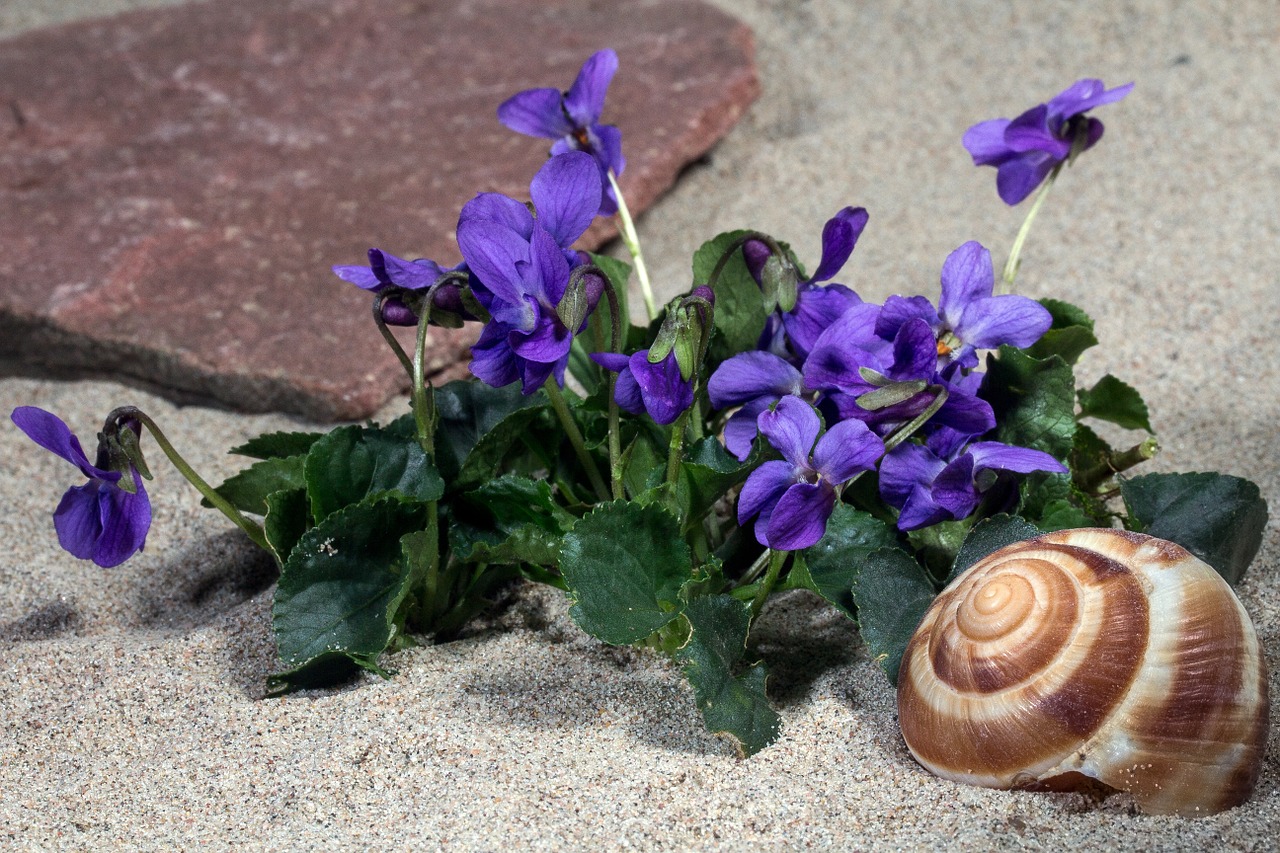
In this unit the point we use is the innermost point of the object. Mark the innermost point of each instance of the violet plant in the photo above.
(768, 431)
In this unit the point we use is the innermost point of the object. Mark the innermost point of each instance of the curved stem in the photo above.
(422, 396)
(253, 529)
(615, 438)
(1011, 265)
(632, 240)
(776, 559)
(378, 299)
(575, 438)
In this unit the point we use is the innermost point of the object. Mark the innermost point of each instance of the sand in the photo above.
(131, 700)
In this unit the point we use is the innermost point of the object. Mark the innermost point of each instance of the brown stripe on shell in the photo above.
(1044, 720)
(986, 666)
(1213, 719)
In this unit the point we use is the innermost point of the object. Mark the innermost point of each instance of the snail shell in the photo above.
(1090, 653)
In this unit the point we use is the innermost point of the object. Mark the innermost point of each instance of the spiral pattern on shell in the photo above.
(1090, 653)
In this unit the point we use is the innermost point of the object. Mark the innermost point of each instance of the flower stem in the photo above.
(909, 429)
(575, 438)
(423, 400)
(776, 559)
(253, 529)
(632, 240)
(403, 357)
(615, 438)
(1091, 479)
(1011, 265)
(675, 451)
(423, 395)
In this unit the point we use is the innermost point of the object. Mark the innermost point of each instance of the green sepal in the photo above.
(353, 463)
(273, 445)
(624, 565)
(830, 567)
(892, 593)
(779, 283)
(1112, 400)
(1070, 334)
(732, 704)
(127, 441)
(340, 592)
(890, 395)
(248, 490)
(1217, 517)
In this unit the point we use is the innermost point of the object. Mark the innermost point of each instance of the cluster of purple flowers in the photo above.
(871, 373)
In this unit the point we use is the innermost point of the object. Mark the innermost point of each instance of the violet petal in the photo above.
(800, 517)
(791, 427)
(535, 112)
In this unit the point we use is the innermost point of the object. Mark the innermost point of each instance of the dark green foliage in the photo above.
(1217, 517)
(731, 702)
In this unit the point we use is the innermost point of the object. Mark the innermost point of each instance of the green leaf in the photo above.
(354, 462)
(987, 537)
(1033, 401)
(936, 546)
(248, 490)
(271, 445)
(706, 474)
(642, 466)
(1064, 515)
(1088, 449)
(740, 311)
(1053, 502)
(731, 704)
(1217, 517)
(1112, 400)
(1068, 337)
(624, 565)
(478, 425)
(892, 592)
(339, 593)
(510, 520)
(830, 567)
(288, 517)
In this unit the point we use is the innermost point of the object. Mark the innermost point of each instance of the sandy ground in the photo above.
(131, 700)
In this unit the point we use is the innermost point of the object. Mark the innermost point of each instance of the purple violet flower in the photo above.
(386, 272)
(851, 346)
(941, 480)
(657, 389)
(817, 305)
(1026, 149)
(793, 497)
(97, 521)
(520, 267)
(754, 380)
(968, 317)
(572, 119)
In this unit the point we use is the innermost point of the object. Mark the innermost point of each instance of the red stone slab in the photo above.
(176, 183)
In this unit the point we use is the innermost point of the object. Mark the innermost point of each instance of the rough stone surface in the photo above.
(176, 183)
